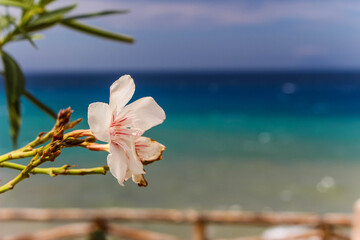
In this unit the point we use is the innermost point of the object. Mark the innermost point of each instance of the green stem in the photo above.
(64, 170)
(22, 175)
(28, 150)
(50, 151)
(18, 154)
(41, 138)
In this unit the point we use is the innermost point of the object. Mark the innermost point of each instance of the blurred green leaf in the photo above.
(96, 31)
(96, 14)
(13, 3)
(32, 36)
(24, 36)
(6, 21)
(47, 19)
(29, 14)
(43, 3)
(39, 104)
(30, 2)
(31, 41)
(40, 26)
(14, 84)
(52, 17)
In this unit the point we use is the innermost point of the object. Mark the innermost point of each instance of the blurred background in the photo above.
(262, 101)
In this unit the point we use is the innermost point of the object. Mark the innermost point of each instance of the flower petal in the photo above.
(144, 113)
(148, 150)
(128, 174)
(140, 180)
(99, 118)
(121, 91)
(135, 165)
(118, 163)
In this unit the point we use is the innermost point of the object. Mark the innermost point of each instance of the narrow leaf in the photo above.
(13, 3)
(96, 31)
(30, 40)
(6, 21)
(40, 26)
(96, 14)
(43, 3)
(39, 104)
(33, 37)
(52, 16)
(14, 84)
(24, 36)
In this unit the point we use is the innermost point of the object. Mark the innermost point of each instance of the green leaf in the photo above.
(39, 104)
(30, 2)
(47, 19)
(6, 21)
(28, 37)
(33, 37)
(13, 3)
(51, 17)
(96, 14)
(43, 3)
(29, 14)
(24, 35)
(40, 26)
(14, 84)
(96, 31)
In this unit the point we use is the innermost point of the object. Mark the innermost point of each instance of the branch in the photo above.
(53, 172)
(44, 137)
(28, 150)
(18, 154)
(51, 153)
(57, 141)
(22, 175)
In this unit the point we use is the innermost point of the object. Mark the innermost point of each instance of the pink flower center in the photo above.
(123, 128)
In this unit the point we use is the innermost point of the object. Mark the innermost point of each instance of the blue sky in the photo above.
(205, 34)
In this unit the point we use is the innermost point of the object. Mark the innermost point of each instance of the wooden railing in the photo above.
(105, 221)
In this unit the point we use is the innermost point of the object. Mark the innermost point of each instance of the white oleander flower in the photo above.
(122, 126)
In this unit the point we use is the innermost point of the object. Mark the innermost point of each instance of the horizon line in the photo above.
(198, 70)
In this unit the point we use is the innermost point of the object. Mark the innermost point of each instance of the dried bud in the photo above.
(63, 118)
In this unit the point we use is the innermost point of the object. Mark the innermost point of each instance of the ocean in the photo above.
(235, 141)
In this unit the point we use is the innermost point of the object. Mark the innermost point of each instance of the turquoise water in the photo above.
(251, 141)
